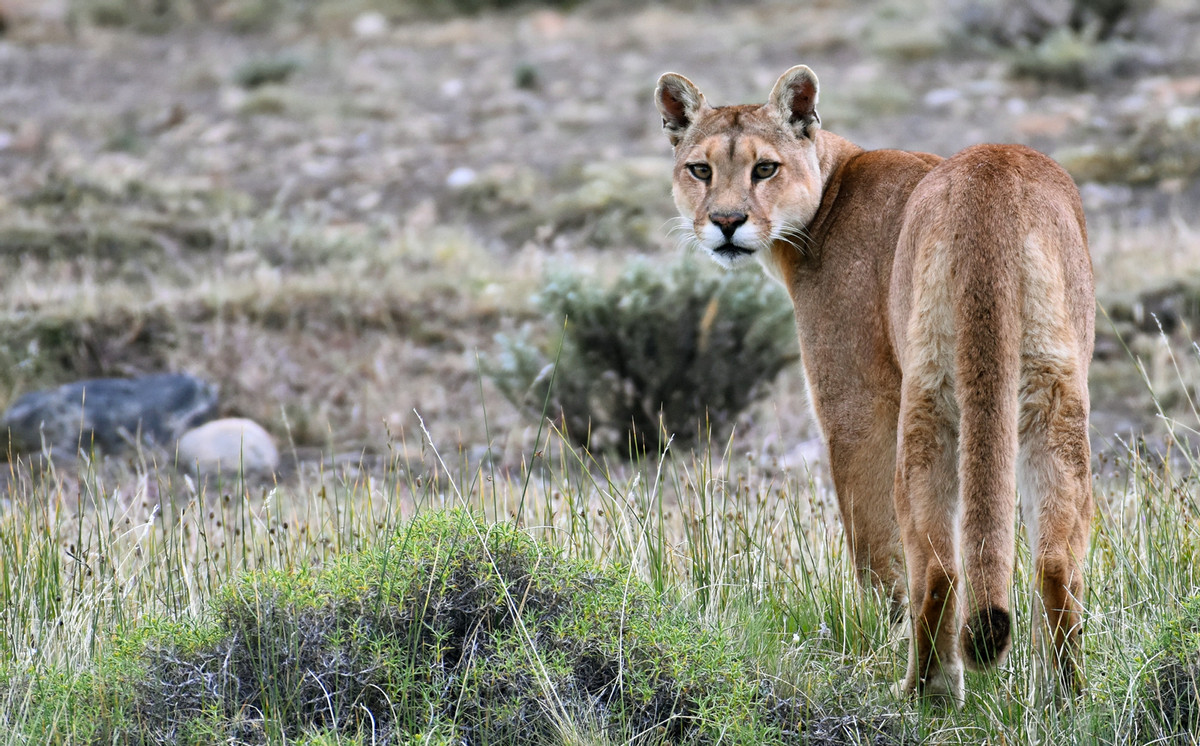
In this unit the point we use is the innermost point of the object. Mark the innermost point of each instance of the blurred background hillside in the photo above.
(337, 211)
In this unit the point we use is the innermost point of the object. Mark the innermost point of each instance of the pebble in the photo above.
(939, 97)
(461, 178)
(370, 25)
(228, 446)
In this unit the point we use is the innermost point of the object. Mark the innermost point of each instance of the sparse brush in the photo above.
(605, 203)
(1170, 684)
(266, 71)
(661, 354)
(153, 16)
(453, 624)
(1077, 59)
(1072, 43)
(1157, 150)
(1025, 23)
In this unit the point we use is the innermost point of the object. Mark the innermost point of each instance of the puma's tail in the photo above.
(987, 377)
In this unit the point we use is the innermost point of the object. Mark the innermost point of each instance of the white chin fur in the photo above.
(729, 261)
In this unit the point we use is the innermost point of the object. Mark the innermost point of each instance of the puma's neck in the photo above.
(834, 152)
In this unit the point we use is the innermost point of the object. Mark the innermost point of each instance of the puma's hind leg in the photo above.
(1055, 480)
(927, 505)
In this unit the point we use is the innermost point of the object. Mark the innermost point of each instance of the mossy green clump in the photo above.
(1171, 684)
(662, 353)
(454, 627)
(265, 71)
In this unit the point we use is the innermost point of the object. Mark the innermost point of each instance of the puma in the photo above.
(945, 310)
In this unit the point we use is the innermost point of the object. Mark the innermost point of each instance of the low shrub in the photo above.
(1072, 43)
(1077, 59)
(1026, 23)
(1171, 685)
(1155, 150)
(616, 203)
(265, 71)
(454, 627)
(254, 16)
(661, 353)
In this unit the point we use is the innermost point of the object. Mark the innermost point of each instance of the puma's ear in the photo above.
(679, 102)
(794, 99)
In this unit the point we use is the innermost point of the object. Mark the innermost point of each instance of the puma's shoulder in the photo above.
(885, 170)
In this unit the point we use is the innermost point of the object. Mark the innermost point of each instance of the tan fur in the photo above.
(945, 312)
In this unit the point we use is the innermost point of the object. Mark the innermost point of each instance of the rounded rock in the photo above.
(228, 446)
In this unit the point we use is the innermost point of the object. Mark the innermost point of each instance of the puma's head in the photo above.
(745, 176)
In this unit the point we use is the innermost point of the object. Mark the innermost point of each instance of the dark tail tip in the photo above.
(987, 636)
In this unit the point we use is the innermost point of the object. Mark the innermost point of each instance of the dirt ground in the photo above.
(333, 219)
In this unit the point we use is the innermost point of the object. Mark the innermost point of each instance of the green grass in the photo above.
(704, 591)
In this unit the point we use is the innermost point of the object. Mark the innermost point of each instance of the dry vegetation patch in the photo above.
(453, 627)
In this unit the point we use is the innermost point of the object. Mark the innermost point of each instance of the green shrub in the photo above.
(266, 70)
(254, 16)
(1027, 23)
(447, 7)
(454, 631)
(151, 16)
(617, 203)
(1076, 59)
(1073, 43)
(663, 352)
(1156, 150)
(1171, 684)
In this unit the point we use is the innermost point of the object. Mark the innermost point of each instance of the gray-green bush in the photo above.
(454, 626)
(1171, 683)
(1074, 43)
(1024, 23)
(662, 353)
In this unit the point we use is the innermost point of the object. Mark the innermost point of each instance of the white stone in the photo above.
(940, 97)
(461, 177)
(370, 25)
(228, 446)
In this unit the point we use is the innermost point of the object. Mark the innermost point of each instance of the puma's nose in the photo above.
(728, 222)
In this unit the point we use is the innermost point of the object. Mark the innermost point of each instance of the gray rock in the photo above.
(228, 446)
(108, 414)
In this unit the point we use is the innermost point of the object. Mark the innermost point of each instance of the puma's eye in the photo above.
(701, 171)
(765, 170)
